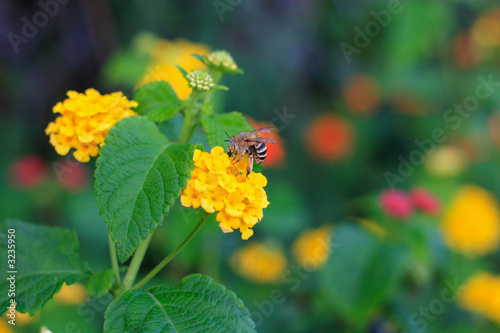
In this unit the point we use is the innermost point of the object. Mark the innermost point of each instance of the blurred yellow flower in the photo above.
(486, 30)
(259, 263)
(446, 161)
(85, 121)
(481, 294)
(21, 318)
(72, 295)
(165, 55)
(5, 327)
(312, 248)
(472, 223)
(218, 185)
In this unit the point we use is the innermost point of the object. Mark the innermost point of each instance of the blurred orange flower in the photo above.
(465, 51)
(165, 55)
(472, 223)
(312, 248)
(5, 327)
(361, 94)
(275, 152)
(260, 263)
(330, 137)
(481, 294)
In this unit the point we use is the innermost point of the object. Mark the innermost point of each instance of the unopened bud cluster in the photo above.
(222, 60)
(200, 80)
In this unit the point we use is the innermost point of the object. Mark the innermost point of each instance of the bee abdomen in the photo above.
(260, 152)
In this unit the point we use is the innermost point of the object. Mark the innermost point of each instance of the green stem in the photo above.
(171, 256)
(190, 113)
(114, 260)
(135, 264)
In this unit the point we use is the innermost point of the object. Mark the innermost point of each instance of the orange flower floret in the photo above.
(85, 121)
(218, 185)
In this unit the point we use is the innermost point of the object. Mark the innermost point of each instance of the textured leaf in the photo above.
(217, 124)
(101, 282)
(139, 175)
(361, 273)
(198, 304)
(157, 101)
(45, 258)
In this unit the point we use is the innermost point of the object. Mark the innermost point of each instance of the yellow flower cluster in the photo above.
(85, 121)
(481, 294)
(472, 222)
(259, 263)
(219, 185)
(312, 247)
(165, 55)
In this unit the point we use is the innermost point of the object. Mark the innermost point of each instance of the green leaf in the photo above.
(361, 273)
(198, 57)
(182, 70)
(157, 101)
(138, 177)
(217, 124)
(198, 304)
(101, 282)
(221, 87)
(45, 258)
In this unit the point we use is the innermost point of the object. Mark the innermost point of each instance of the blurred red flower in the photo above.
(397, 204)
(424, 200)
(28, 172)
(71, 174)
(330, 137)
(361, 94)
(275, 152)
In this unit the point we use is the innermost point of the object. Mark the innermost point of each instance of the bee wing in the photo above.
(263, 130)
(259, 140)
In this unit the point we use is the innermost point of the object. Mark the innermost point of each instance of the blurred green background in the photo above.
(366, 96)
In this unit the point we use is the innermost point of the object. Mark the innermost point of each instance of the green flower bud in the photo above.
(222, 61)
(200, 80)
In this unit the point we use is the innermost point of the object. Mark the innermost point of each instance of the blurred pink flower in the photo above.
(397, 204)
(425, 201)
(27, 172)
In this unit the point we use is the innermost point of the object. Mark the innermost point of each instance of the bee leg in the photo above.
(235, 158)
(241, 156)
(250, 164)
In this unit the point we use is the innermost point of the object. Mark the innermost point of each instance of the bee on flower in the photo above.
(219, 185)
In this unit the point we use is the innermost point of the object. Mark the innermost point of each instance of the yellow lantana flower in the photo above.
(472, 222)
(85, 121)
(218, 185)
(165, 55)
(481, 294)
(312, 247)
(259, 263)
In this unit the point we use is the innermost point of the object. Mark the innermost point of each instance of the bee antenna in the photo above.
(227, 135)
(226, 140)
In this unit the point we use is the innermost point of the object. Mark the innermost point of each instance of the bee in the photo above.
(248, 143)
